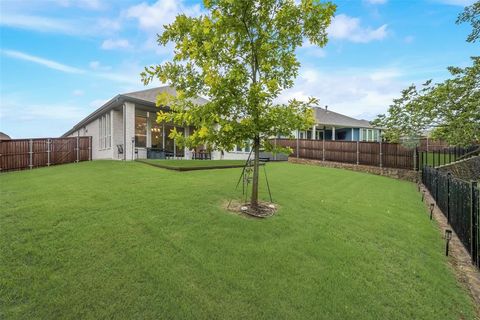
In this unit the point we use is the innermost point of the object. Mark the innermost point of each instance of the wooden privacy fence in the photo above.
(390, 155)
(22, 154)
(459, 202)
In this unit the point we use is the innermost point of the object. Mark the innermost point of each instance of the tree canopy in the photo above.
(471, 14)
(451, 109)
(240, 55)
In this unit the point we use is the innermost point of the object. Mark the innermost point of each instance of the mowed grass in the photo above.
(193, 164)
(115, 240)
(436, 159)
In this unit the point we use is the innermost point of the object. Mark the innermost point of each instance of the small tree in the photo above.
(241, 55)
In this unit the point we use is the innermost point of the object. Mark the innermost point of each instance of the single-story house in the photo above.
(125, 128)
(331, 125)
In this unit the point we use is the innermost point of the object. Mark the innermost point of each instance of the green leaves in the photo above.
(450, 109)
(471, 14)
(240, 55)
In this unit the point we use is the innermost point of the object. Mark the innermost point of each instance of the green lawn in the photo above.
(186, 165)
(116, 240)
(431, 158)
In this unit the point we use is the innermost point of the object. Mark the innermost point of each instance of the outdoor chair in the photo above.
(119, 150)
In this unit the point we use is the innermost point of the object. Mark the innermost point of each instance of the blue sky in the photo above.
(62, 59)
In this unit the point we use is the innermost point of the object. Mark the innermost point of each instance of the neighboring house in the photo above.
(331, 125)
(125, 128)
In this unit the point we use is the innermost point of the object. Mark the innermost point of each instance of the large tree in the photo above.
(471, 14)
(240, 55)
(451, 109)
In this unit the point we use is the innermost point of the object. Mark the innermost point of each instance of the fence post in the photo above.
(78, 149)
(275, 144)
(358, 152)
(420, 163)
(473, 235)
(417, 159)
(298, 133)
(48, 151)
(381, 164)
(323, 148)
(414, 159)
(30, 152)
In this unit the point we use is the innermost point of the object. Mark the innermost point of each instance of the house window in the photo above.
(104, 132)
(100, 130)
(369, 135)
(140, 131)
(246, 148)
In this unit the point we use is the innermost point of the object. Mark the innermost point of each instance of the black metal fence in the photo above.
(445, 155)
(459, 202)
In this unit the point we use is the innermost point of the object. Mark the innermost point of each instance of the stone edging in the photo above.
(403, 174)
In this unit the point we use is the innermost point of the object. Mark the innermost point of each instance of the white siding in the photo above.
(129, 127)
(117, 133)
(92, 129)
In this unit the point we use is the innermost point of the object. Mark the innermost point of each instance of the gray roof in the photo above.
(150, 95)
(4, 136)
(328, 117)
(146, 97)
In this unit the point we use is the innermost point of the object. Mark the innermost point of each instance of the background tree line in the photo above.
(449, 109)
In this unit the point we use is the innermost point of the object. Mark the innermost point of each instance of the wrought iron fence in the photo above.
(444, 155)
(459, 202)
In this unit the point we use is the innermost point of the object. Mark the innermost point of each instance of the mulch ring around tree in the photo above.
(263, 210)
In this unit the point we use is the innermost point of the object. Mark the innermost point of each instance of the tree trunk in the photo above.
(256, 149)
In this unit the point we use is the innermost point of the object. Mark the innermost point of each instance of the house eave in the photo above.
(116, 101)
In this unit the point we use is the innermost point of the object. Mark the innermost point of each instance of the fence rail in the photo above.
(459, 202)
(446, 155)
(20, 154)
(390, 155)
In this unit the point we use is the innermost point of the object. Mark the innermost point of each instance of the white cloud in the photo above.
(18, 110)
(76, 27)
(155, 16)
(313, 50)
(21, 116)
(78, 92)
(86, 4)
(36, 23)
(110, 44)
(45, 62)
(348, 28)
(130, 75)
(96, 65)
(152, 18)
(462, 3)
(352, 92)
(376, 1)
